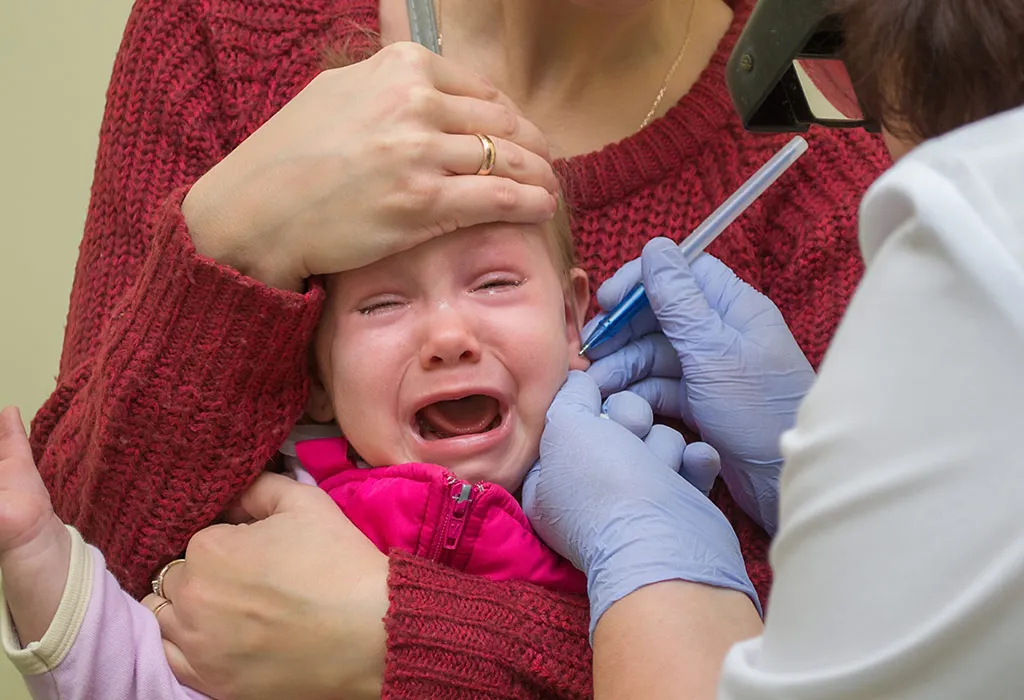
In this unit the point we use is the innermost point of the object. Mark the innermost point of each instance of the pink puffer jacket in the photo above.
(427, 511)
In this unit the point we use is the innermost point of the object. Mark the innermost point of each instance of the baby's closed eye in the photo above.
(497, 283)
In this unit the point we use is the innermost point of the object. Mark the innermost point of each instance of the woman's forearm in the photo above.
(178, 376)
(669, 640)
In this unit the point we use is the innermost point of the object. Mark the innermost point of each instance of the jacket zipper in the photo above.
(453, 520)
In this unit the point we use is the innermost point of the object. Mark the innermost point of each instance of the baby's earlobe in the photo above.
(577, 361)
(319, 406)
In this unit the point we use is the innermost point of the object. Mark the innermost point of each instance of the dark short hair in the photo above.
(926, 67)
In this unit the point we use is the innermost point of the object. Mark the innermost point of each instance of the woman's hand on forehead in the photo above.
(386, 145)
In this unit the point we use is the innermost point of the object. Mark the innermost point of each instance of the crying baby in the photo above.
(438, 365)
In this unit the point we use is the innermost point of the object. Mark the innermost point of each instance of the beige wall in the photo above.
(55, 60)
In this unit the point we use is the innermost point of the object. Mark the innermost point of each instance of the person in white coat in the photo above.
(899, 553)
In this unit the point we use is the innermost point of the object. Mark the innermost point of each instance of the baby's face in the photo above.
(450, 353)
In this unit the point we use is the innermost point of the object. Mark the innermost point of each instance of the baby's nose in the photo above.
(448, 339)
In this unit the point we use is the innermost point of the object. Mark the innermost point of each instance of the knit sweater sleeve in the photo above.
(179, 377)
(452, 636)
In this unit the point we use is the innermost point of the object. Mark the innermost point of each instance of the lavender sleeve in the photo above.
(101, 644)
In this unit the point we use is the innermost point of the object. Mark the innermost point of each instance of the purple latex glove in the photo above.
(718, 354)
(607, 500)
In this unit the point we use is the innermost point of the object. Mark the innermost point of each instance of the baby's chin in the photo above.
(508, 473)
(507, 476)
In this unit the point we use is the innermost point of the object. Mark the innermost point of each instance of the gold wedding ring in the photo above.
(490, 155)
(158, 582)
(157, 609)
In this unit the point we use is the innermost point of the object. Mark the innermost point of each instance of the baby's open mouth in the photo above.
(469, 415)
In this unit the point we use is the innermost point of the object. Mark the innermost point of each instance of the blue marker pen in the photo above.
(701, 238)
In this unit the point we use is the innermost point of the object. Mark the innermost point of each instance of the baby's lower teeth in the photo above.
(434, 434)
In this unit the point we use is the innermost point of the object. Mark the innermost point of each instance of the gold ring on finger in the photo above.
(158, 582)
(490, 155)
(163, 604)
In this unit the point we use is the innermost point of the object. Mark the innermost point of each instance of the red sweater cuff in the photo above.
(178, 284)
(200, 376)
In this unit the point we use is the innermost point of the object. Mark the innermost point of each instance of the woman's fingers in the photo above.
(470, 103)
(410, 58)
(468, 200)
(171, 631)
(166, 616)
(183, 670)
(453, 79)
(467, 115)
(153, 601)
(172, 577)
(464, 155)
(385, 146)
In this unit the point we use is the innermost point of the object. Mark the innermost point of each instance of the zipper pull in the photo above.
(462, 494)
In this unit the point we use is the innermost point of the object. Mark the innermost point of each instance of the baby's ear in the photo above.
(319, 406)
(577, 299)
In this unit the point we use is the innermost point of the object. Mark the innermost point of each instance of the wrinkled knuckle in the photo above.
(417, 146)
(507, 123)
(187, 595)
(400, 150)
(421, 99)
(617, 378)
(204, 544)
(506, 198)
(382, 147)
(515, 159)
(407, 53)
(634, 364)
(446, 224)
(420, 191)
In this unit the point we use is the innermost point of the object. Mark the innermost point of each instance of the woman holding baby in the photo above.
(233, 170)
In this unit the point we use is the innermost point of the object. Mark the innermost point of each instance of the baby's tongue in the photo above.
(472, 414)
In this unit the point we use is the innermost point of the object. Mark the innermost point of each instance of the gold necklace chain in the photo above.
(664, 83)
(671, 70)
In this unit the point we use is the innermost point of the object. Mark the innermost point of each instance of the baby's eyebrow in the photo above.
(502, 244)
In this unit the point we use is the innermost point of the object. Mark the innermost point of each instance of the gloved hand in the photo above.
(698, 462)
(716, 353)
(607, 501)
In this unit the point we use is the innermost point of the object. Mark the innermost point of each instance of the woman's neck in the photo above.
(586, 77)
(546, 47)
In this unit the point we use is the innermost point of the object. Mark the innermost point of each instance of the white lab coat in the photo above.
(899, 559)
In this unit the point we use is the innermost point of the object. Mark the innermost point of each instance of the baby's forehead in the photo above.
(500, 237)
(547, 243)
(486, 243)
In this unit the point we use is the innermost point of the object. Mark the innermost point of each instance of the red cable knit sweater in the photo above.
(172, 361)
